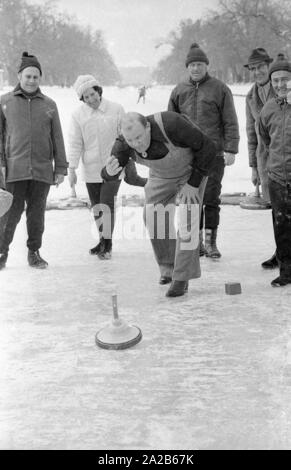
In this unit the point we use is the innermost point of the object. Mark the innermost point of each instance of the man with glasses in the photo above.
(262, 90)
(275, 130)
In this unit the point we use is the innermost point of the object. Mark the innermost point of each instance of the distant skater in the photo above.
(142, 94)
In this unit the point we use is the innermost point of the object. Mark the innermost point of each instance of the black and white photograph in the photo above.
(145, 227)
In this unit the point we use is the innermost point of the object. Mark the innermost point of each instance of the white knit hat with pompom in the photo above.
(84, 82)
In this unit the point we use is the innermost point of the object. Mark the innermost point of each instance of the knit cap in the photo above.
(281, 63)
(84, 82)
(28, 60)
(196, 54)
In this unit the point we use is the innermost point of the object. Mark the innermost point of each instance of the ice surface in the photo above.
(212, 370)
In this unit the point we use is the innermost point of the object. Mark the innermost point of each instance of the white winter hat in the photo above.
(84, 82)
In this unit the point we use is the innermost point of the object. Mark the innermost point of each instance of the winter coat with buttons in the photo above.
(91, 137)
(92, 134)
(31, 140)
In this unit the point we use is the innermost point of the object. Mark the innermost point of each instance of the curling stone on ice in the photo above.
(255, 201)
(118, 335)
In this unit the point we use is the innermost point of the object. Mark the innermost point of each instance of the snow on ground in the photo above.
(212, 370)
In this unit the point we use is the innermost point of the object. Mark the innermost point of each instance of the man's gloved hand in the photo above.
(229, 158)
(72, 177)
(255, 176)
(112, 166)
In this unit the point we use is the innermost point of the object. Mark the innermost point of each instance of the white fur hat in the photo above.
(84, 82)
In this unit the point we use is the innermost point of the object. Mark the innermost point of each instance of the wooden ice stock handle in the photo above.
(257, 190)
(114, 305)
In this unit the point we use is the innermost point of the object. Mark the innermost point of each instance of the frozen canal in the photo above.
(212, 371)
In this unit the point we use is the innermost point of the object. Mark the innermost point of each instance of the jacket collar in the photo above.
(18, 91)
(203, 80)
(101, 108)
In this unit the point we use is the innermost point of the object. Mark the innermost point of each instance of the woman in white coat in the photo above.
(95, 124)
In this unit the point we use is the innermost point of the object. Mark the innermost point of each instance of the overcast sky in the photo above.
(132, 27)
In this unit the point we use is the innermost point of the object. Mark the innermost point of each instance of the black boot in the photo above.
(165, 280)
(210, 243)
(280, 282)
(106, 253)
(202, 250)
(98, 248)
(271, 263)
(177, 288)
(35, 260)
(3, 259)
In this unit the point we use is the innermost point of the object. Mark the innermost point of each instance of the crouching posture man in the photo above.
(179, 157)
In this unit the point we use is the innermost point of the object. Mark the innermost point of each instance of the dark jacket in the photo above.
(275, 130)
(209, 104)
(182, 133)
(254, 106)
(31, 140)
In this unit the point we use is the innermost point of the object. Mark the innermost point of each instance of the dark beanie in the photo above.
(196, 54)
(281, 63)
(28, 60)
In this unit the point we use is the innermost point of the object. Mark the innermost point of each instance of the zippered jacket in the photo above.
(209, 104)
(31, 140)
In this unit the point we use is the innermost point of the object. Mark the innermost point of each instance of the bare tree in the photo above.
(228, 35)
(64, 49)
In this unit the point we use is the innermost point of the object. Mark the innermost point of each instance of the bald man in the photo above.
(179, 157)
